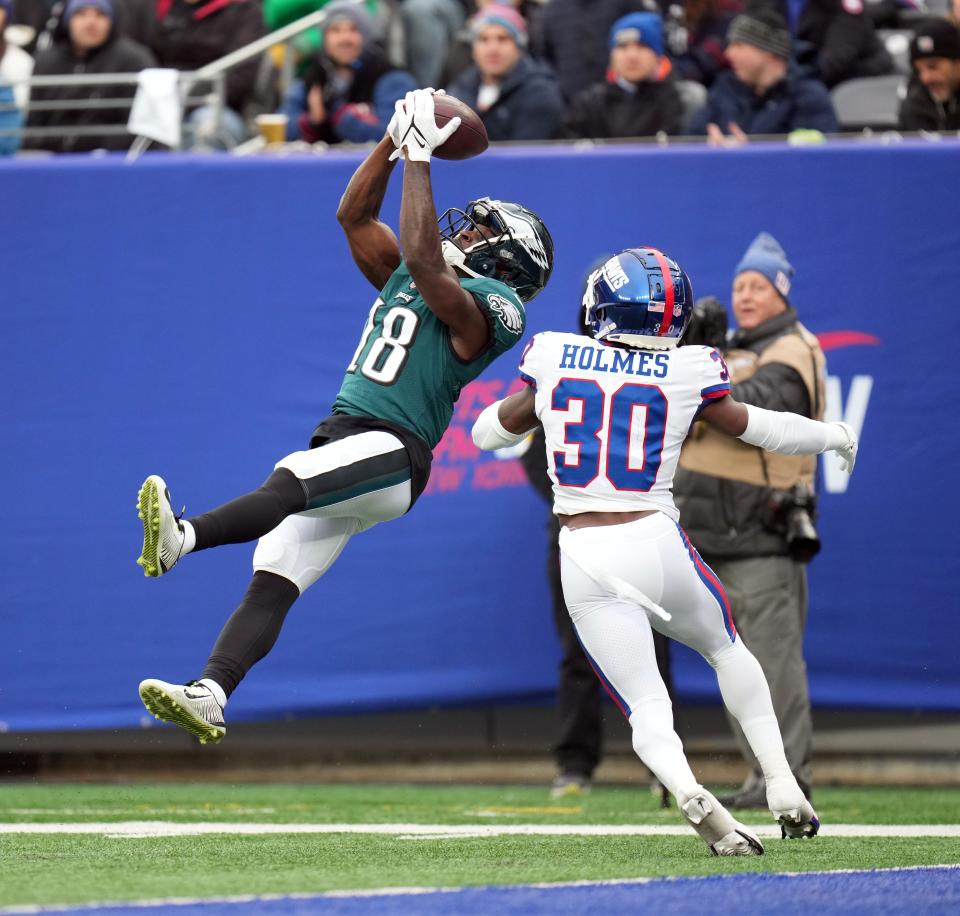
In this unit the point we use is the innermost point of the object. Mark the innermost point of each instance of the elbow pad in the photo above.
(789, 433)
(488, 432)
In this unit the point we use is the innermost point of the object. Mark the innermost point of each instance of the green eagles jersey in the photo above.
(405, 369)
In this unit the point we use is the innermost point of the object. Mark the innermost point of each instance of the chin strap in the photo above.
(455, 257)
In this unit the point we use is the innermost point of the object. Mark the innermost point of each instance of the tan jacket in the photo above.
(721, 486)
(710, 452)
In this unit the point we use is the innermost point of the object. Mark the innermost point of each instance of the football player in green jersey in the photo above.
(447, 308)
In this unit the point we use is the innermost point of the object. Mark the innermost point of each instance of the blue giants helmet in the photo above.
(639, 297)
(518, 249)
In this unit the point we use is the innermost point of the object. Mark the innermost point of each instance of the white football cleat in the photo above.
(162, 531)
(191, 706)
(717, 828)
(790, 807)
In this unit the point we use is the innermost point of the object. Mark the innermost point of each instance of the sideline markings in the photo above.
(401, 896)
(144, 829)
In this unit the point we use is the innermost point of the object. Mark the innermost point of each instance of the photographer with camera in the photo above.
(751, 513)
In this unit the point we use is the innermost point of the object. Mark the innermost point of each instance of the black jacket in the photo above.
(791, 104)
(608, 110)
(188, 36)
(724, 518)
(845, 43)
(530, 106)
(118, 54)
(921, 111)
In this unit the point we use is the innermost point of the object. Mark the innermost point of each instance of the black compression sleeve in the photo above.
(251, 516)
(252, 629)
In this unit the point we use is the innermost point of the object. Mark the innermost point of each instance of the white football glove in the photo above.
(393, 129)
(847, 451)
(415, 133)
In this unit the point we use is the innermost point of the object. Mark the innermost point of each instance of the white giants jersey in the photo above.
(615, 418)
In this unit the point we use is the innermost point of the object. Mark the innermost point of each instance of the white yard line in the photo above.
(142, 829)
(28, 909)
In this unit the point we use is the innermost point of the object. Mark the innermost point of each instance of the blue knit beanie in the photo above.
(767, 257)
(8, 6)
(646, 28)
(105, 7)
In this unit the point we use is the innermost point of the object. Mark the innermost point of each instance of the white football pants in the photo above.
(304, 546)
(654, 556)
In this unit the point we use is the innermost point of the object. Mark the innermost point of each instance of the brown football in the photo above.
(469, 139)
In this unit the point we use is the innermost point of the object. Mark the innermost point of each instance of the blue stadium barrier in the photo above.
(193, 317)
(933, 891)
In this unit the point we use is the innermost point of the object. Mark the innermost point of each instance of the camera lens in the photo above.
(802, 539)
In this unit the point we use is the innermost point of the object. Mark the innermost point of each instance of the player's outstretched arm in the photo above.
(373, 244)
(417, 136)
(436, 280)
(782, 431)
(505, 423)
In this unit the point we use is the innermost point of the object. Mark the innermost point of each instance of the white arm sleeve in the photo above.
(488, 431)
(780, 431)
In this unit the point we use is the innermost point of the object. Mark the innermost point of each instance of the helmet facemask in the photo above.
(519, 259)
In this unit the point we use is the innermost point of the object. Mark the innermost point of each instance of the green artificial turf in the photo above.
(277, 803)
(62, 868)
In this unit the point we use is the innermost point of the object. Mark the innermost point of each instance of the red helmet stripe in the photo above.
(667, 319)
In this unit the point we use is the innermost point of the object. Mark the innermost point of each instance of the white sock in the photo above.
(189, 541)
(215, 689)
(746, 695)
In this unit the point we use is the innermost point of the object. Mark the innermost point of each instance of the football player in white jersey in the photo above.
(615, 410)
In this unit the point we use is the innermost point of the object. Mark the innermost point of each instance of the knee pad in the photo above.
(302, 548)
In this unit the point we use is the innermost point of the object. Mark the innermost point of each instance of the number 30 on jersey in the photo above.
(636, 421)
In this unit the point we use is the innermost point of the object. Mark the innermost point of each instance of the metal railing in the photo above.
(213, 73)
(191, 96)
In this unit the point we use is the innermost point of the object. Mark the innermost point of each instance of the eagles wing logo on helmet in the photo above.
(525, 232)
(509, 314)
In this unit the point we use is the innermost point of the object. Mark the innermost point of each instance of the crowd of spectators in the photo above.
(533, 69)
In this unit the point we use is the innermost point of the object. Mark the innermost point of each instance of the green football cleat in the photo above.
(191, 706)
(162, 531)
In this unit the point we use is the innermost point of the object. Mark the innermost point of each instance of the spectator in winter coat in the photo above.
(460, 51)
(760, 94)
(134, 18)
(349, 91)
(192, 33)
(639, 98)
(695, 36)
(386, 18)
(92, 46)
(844, 42)
(575, 39)
(933, 98)
(516, 97)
